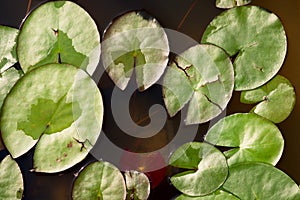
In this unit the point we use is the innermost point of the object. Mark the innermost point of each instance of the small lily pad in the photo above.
(218, 195)
(135, 41)
(251, 137)
(137, 184)
(11, 180)
(59, 32)
(206, 165)
(202, 76)
(251, 181)
(231, 3)
(99, 180)
(255, 38)
(277, 93)
(59, 108)
(8, 55)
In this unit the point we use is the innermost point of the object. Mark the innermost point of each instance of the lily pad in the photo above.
(218, 195)
(135, 41)
(231, 3)
(250, 137)
(59, 108)
(255, 38)
(278, 93)
(251, 181)
(99, 180)
(59, 32)
(11, 180)
(8, 55)
(137, 184)
(202, 76)
(206, 165)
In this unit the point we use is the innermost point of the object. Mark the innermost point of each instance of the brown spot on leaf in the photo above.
(70, 145)
(58, 160)
(65, 154)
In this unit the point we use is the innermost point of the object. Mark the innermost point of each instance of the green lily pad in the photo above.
(206, 165)
(137, 184)
(59, 32)
(255, 38)
(251, 138)
(277, 93)
(8, 55)
(135, 41)
(218, 195)
(202, 75)
(251, 181)
(11, 180)
(59, 108)
(99, 180)
(231, 3)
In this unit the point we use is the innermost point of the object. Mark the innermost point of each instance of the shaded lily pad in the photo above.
(202, 76)
(251, 138)
(231, 3)
(206, 165)
(251, 181)
(255, 38)
(276, 99)
(99, 180)
(8, 55)
(59, 34)
(218, 195)
(137, 184)
(11, 180)
(135, 41)
(59, 108)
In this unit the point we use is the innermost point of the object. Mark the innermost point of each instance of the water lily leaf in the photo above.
(206, 165)
(135, 41)
(218, 195)
(251, 137)
(59, 34)
(260, 181)
(8, 55)
(11, 180)
(99, 180)
(260, 48)
(202, 75)
(278, 92)
(231, 3)
(137, 184)
(59, 108)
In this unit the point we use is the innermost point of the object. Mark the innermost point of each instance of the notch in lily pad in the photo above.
(135, 41)
(137, 184)
(231, 3)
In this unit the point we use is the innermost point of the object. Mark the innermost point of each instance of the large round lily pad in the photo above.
(99, 180)
(59, 108)
(255, 38)
(202, 76)
(135, 41)
(250, 137)
(59, 32)
(137, 185)
(231, 3)
(218, 195)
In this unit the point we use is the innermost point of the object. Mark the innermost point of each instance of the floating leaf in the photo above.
(135, 41)
(278, 93)
(138, 185)
(251, 181)
(99, 180)
(207, 169)
(11, 180)
(59, 32)
(202, 75)
(8, 55)
(251, 137)
(257, 40)
(231, 3)
(59, 108)
(218, 195)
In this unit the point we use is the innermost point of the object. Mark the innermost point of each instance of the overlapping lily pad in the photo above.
(138, 185)
(231, 3)
(59, 32)
(255, 38)
(218, 195)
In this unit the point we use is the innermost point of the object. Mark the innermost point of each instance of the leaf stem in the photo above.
(28, 6)
(187, 14)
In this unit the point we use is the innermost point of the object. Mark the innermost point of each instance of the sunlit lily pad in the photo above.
(231, 3)
(59, 32)
(276, 99)
(135, 41)
(59, 108)
(11, 180)
(202, 76)
(251, 181)
(255, 38)
(250, 137)
(206, 169)
(138, 185)
(99, 180)
(218, 195)
(8, 55)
